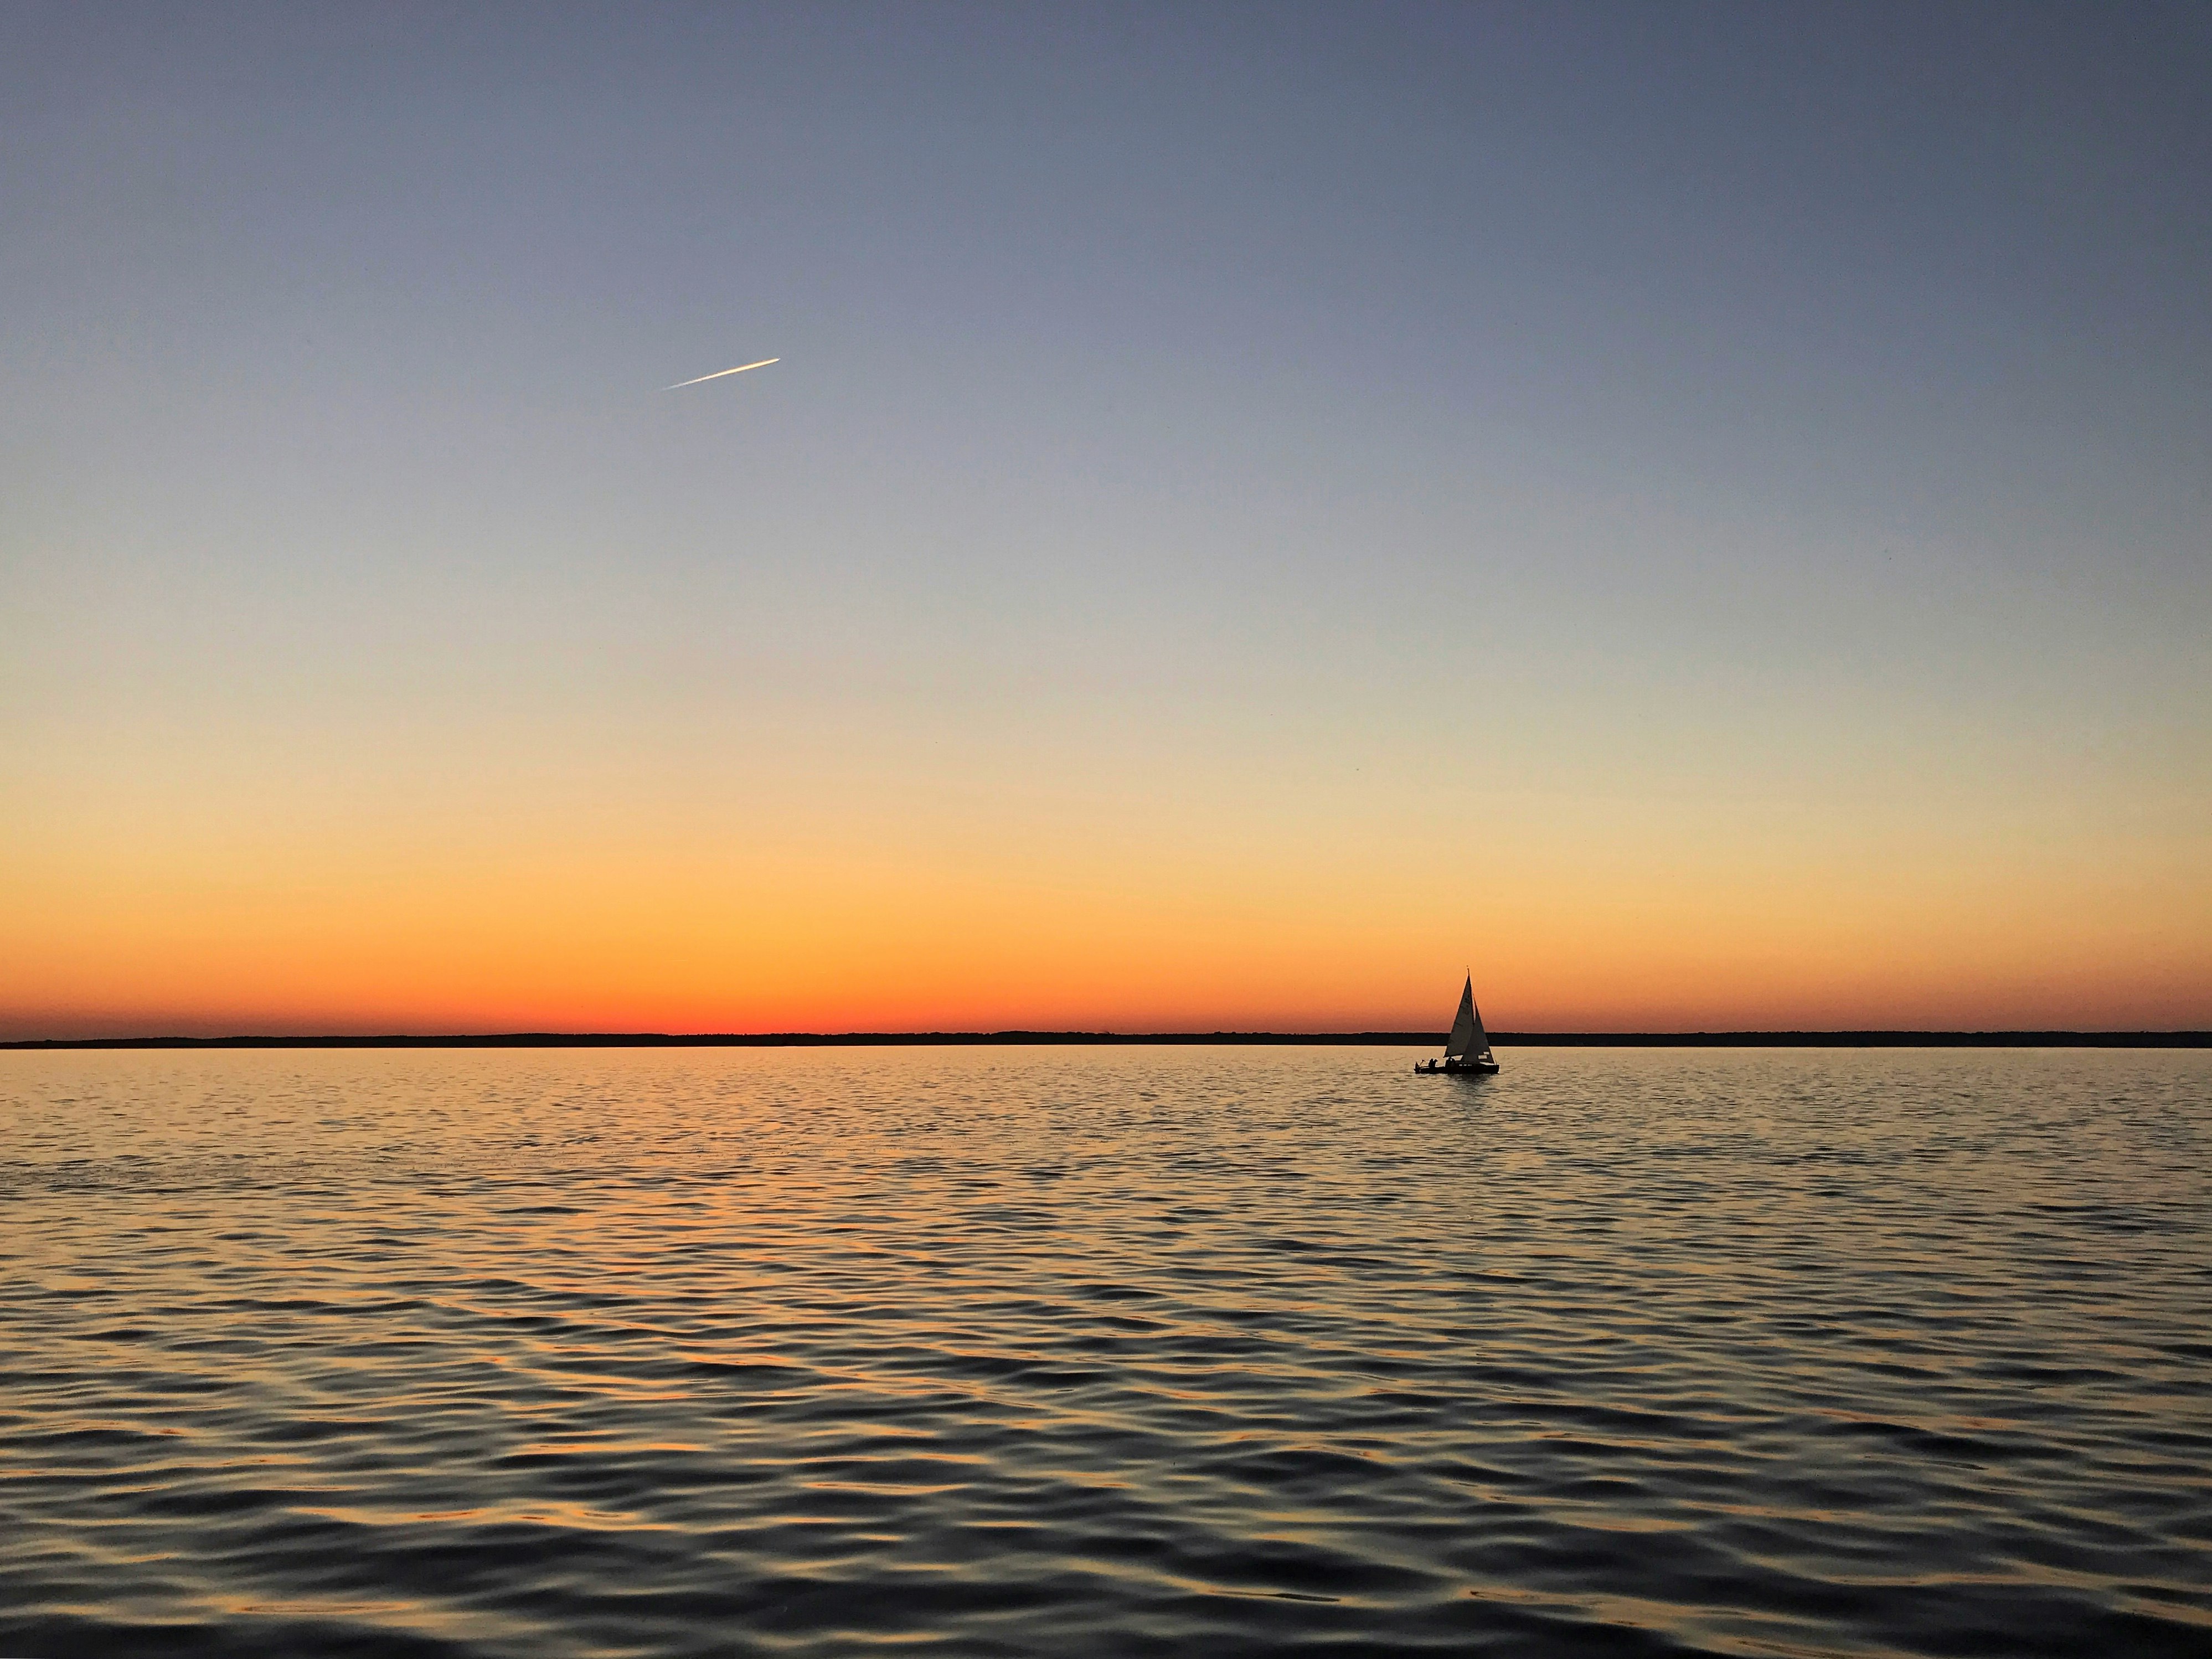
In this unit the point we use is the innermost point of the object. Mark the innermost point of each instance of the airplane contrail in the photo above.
(718, 373)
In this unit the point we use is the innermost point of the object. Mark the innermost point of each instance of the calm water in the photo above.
(1105, 1351)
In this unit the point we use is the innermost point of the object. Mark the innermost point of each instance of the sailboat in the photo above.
(1467, 1048)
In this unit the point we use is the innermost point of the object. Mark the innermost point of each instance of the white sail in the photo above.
(1467, 1033)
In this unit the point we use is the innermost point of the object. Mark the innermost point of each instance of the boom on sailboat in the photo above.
(1467, 1048)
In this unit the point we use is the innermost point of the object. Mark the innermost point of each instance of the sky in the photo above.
(1701, 515)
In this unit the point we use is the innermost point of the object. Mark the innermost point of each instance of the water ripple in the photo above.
(1101, 1352)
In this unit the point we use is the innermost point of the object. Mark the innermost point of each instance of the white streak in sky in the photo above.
(718, 373)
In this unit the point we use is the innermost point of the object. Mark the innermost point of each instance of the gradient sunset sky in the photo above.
(1701, 513)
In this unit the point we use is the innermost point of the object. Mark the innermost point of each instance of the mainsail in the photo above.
(1468, 1037)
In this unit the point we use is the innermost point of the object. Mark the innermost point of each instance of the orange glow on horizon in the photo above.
(1133, 895)
(824, 948)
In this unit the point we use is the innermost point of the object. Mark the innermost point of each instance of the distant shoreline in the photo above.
(1378, 1039)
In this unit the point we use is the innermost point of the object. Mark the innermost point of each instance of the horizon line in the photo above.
(1860, 1038)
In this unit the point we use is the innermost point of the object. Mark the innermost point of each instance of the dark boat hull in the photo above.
(1459, 1068)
